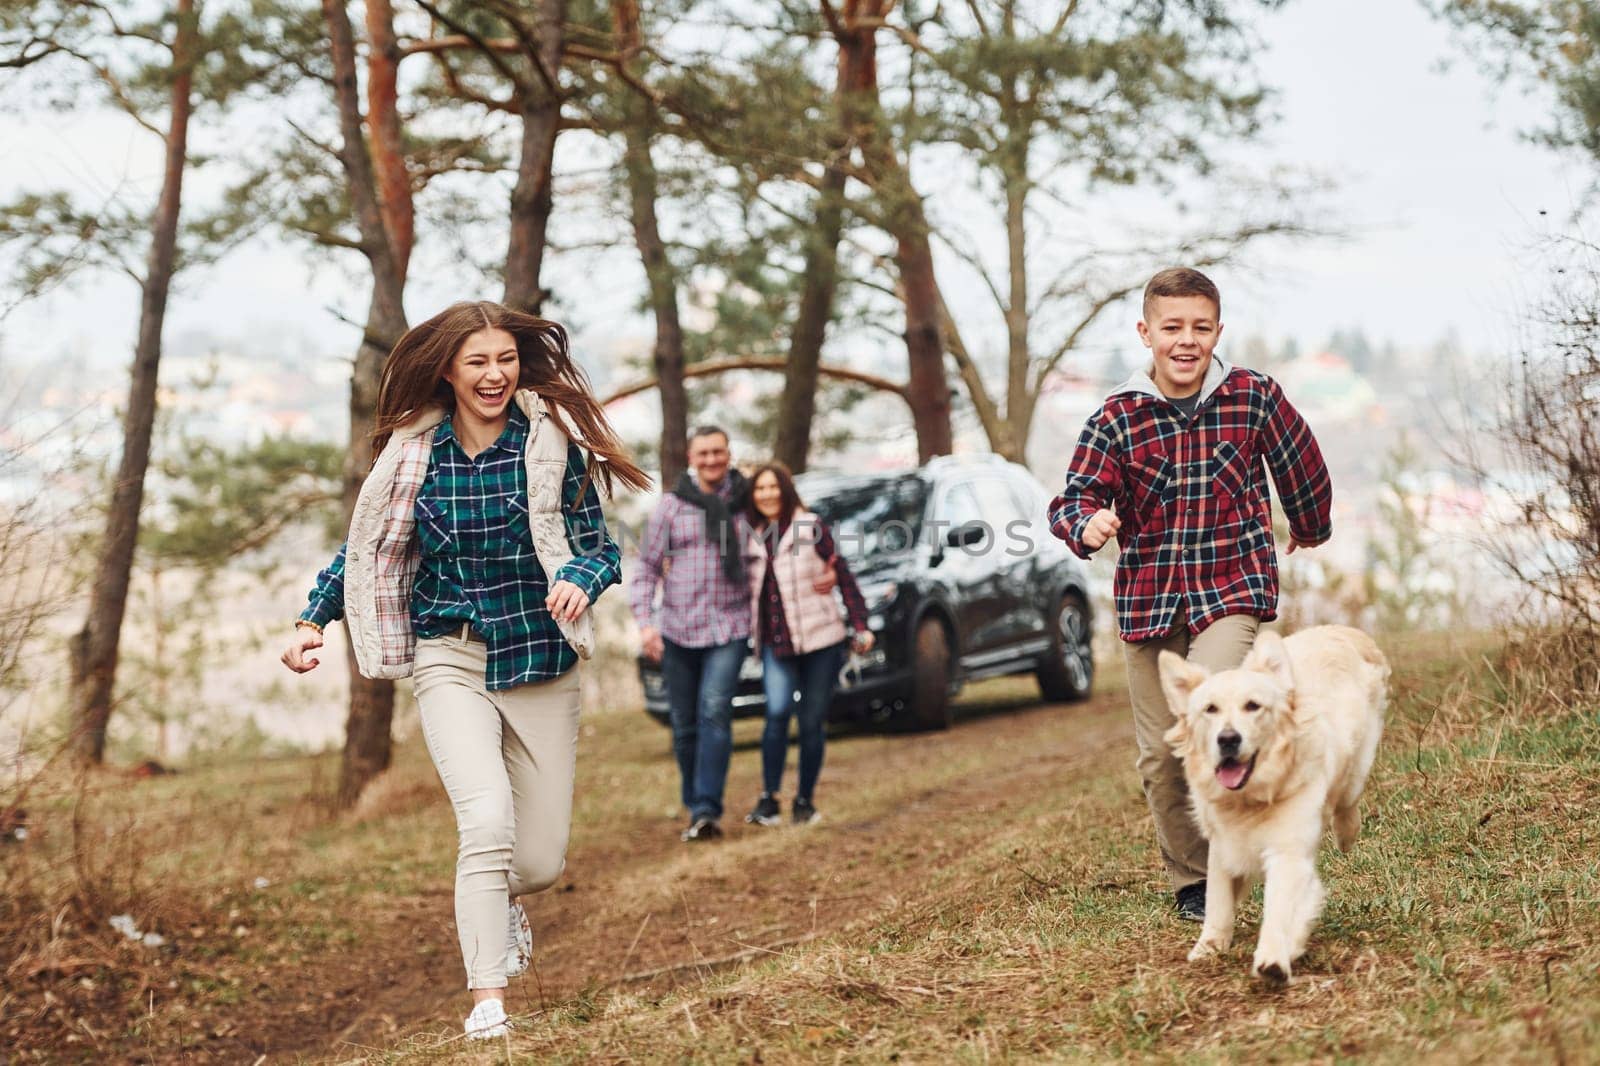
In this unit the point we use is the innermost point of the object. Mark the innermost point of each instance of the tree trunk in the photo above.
(532, 199)
(94, 649)
(928, 389)
(643, 192)
(1019, 409)
(1016, 126)
(376, 242)
(388, 146)
(367, 745)
(367, 740)
(797, 405)
(667, 357)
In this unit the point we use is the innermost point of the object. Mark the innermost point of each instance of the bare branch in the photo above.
(305, 134)
(876, 286)
(977, 16)
(711, 367)
(831, 17)
(458, 43)
(988, 410)
(970, 257)
(483, 46)
(117, 29)
(531, 48)
(1199, 251)
(795, 217)
(23, 58)
(1047, 366)
(907, 35)
(329, 239)
(593, 55)
(119, 94)
(1067, 12)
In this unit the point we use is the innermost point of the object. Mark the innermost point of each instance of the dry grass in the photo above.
(996, 898)
(1463, 928)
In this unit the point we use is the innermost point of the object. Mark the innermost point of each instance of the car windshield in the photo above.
(873, 518)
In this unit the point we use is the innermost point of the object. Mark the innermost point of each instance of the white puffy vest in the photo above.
(381, 556)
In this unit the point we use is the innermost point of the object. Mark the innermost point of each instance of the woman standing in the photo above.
(475, 549)
(798, 630)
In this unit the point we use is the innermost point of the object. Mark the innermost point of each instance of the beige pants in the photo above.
(1221, 646)
(506, 759)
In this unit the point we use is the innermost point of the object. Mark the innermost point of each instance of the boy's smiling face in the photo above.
(1181, 332)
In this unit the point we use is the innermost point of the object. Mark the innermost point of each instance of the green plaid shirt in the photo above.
(478, 564)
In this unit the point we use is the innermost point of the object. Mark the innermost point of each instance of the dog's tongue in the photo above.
(1232, 774)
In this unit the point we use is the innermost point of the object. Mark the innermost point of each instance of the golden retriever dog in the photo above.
(1274, 752)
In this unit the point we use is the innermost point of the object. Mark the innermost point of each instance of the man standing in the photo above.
(699, 631)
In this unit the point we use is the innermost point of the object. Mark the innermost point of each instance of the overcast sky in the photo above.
(1440, 193)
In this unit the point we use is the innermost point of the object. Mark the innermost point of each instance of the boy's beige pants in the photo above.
(506, 759)
(1220, 646)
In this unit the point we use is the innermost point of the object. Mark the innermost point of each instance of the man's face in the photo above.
(709, 457)
(1181, 332)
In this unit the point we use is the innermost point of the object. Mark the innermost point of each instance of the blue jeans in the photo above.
(700, 687)
(814, 676)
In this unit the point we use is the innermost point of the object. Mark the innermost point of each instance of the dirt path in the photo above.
(639, 908)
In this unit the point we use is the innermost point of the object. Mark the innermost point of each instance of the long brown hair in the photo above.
(788, 495)
(413, 378)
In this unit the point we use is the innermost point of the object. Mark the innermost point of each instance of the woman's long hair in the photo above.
(788, 495)
(413, 378)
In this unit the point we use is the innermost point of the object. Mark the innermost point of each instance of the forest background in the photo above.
(860, 233)
(822, 225)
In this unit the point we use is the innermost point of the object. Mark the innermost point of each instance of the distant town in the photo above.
(1388, 419)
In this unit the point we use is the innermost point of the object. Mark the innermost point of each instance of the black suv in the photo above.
(963, 580)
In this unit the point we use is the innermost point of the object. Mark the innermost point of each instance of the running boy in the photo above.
(1173, 465)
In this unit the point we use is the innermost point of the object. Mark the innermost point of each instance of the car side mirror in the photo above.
(965, 534)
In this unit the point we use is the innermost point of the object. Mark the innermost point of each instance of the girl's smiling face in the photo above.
(767, 495)
(483, 375)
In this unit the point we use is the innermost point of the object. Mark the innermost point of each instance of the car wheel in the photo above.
(1066, 672)
(930, 682)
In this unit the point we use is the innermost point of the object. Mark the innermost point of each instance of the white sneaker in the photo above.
(488, 1021)
(519, 941)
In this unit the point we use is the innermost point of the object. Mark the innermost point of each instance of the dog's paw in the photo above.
(1274, 972)
(1206, 947)
(1346, 827)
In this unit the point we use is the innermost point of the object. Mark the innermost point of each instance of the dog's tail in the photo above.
(1370, 652)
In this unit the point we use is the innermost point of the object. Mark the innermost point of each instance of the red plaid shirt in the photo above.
(1192, 498)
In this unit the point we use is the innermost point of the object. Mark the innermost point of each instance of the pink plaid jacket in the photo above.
(381, 554)
(813, 617)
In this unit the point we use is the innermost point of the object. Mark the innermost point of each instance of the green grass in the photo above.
(1026, 923)
(1463, 927)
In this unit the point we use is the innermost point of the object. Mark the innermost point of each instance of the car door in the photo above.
(967, 570)
(1016, 626)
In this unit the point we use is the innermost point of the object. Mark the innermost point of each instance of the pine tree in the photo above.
(1050, 102)
(146, 69)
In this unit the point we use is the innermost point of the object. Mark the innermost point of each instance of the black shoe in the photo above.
(803, 812)
(766, 811)
(1191, 903)
(701, 829)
